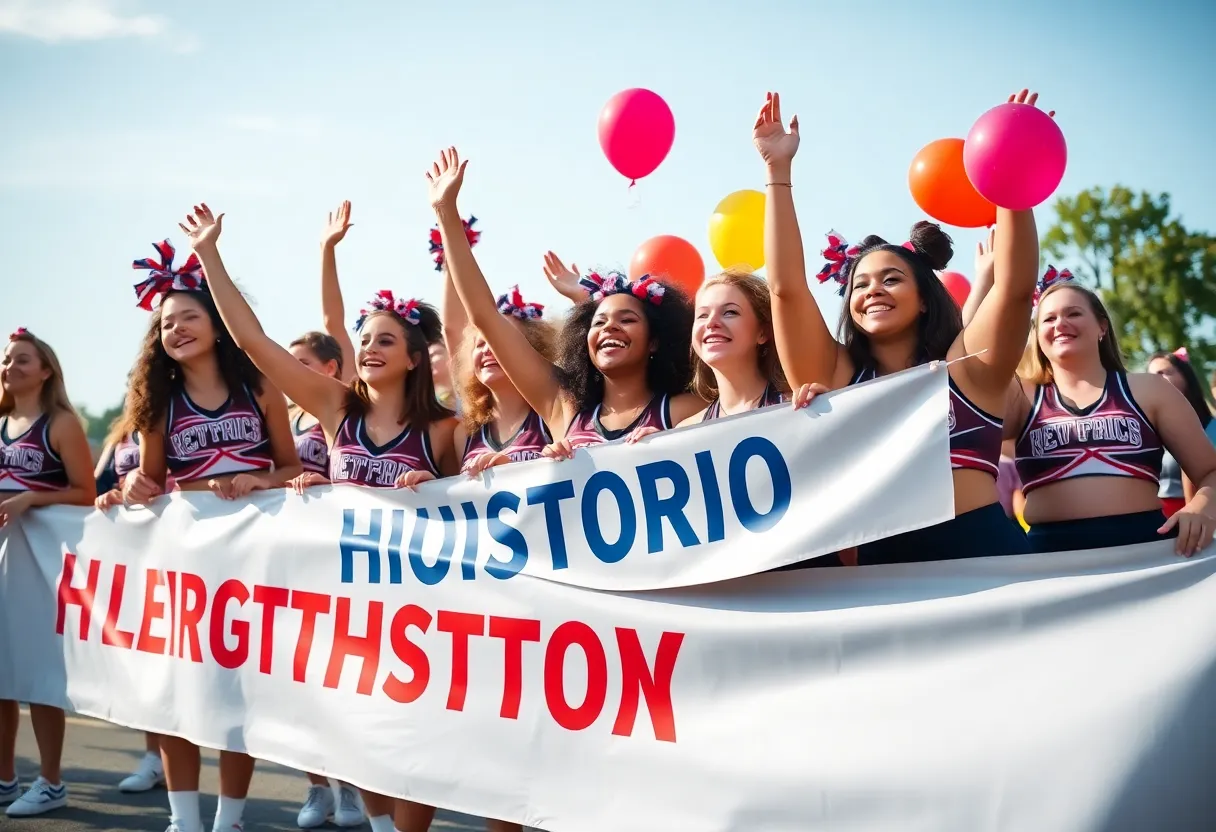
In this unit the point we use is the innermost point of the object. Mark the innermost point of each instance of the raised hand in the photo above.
(777, 147)
(337, 225)
(204, 227)
(563, 280)
(445, 178)
(984, 257)
(1027, 97)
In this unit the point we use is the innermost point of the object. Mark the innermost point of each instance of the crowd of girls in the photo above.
(1034, 367)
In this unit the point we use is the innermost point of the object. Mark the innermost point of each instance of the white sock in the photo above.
(9, 783)
(184, 811)
(229, 812)
(382, 823)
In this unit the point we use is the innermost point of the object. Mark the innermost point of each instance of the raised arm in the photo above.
(333, 310)
(805, 345)
(982, 283)
(1002, 321)
(531, 373)
(320, 395)
(455, 319)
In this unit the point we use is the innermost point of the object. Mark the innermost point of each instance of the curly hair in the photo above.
(421, 407)
(477, 402)
(668, 372)
(941, 322)
(704, 382)
(156, 376)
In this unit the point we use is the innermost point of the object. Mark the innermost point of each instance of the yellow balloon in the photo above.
(736, 230)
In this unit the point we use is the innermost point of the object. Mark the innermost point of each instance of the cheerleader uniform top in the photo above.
(27, 462)
(527, 443)
(231, 439)
(587, 430)
(355, 460)
(1110, 438)
(311, 446)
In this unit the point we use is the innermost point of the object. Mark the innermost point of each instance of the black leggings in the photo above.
(1099, 532)
(979, 533)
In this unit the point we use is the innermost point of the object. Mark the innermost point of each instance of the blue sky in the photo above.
(119, 114)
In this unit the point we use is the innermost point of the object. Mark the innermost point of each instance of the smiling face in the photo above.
(883, 297)
(22, 370)
(486, 368)
(384, 358)
(1068, 326)
(186, 329)
(619, 337)
(726, 327)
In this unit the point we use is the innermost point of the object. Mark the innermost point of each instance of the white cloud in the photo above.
(55, 21)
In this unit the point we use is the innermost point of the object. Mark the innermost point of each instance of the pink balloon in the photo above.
(1015, 156)
(636, 130)
(958, 286)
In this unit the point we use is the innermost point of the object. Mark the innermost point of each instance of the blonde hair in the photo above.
(1035, 367)
(476, 400)
(54, 395)
(704, 383)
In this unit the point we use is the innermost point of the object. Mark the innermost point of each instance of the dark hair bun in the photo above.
(932, 243)
(429, 323)
(872, 242)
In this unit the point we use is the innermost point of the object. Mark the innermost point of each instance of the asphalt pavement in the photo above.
(98, 755)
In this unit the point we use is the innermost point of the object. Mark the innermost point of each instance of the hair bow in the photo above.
(407, 310)
(614, 283)
(1050, 278)
(1183, 354)
(837, 254)
(164, 278)
(21, 331)
(437, 240)
(512, 303)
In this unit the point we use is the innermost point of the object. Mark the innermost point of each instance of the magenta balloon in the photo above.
(636, 130)
(1015, 156)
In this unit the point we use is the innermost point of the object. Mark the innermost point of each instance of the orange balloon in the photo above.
(940, 186)
(669, 259)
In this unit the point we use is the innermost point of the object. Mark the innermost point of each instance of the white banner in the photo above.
(1056, 692)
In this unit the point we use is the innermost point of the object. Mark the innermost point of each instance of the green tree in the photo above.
(97, 426)
(1157, 278)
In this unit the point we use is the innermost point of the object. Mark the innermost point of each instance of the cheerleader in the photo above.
(1091, 436)
(385, 428)
(206, 416)
(44, 460)
(623, 355)
(898, 314)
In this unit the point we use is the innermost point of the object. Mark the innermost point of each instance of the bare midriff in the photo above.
(1085, 497)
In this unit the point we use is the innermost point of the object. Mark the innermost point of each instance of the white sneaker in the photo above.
(38, 798)
(317, 808)
(10, 791)
(147, 776)
(348, 812)
(236, 827)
